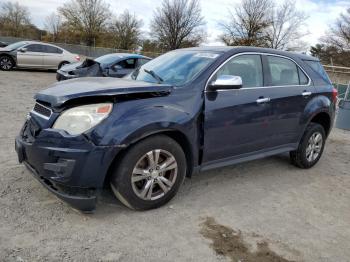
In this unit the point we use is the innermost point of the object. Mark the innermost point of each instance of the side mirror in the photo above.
(22, 50)
(226, 82)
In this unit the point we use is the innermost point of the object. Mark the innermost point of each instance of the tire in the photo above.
(62, 64)
(134, 173)
(310, 148)
(6, 63)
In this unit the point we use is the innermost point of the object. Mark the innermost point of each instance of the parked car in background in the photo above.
(112, 65)
(30, 54)
(3, 44)
(186, 111)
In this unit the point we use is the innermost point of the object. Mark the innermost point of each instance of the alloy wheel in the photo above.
(314, 146)
(154, 174)
(6, 63)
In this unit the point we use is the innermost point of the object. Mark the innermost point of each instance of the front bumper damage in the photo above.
(71, 167)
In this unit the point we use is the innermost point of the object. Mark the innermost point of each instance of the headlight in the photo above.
(79, 119)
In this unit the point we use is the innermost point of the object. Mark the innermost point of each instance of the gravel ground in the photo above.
(302, 215)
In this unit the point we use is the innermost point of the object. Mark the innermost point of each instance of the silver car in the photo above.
(30, 54)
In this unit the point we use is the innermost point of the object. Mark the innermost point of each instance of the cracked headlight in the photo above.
(80, 119)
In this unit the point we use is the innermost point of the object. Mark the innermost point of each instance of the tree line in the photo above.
(177, 24)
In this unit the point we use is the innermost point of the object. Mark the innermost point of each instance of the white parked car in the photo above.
(30, 54)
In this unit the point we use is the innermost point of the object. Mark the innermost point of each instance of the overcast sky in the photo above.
(321, 13)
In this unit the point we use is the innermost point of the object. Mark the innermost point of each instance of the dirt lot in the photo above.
(264, 209)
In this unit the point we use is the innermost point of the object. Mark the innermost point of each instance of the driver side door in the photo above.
(122, 68)
(237, 121)
(32, 57)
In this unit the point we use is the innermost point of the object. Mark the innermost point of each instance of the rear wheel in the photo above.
(6, 63)
(310, 148)
(150, 173)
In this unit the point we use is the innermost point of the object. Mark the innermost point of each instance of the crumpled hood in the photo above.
(61, 92)
(70, 67)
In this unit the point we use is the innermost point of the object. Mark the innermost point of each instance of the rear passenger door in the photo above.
(52, 56)
(32, 57)
(292, 90)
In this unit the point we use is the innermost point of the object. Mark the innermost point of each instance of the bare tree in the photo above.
(286, 26)
(178, 23)
(53, 24)
(86, 16)
(14, 17)
(339, 33)
(126, 30)
(247, 24)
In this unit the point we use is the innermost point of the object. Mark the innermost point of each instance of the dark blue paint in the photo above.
(220, 127)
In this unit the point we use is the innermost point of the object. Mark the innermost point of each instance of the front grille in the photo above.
(42, 110)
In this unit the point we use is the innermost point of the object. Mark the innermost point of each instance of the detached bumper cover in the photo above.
(71, 167)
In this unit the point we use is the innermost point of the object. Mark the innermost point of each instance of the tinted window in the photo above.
(248, 67)
(143, 61)
(35, 48)
(127, 64)
(176, 67)
(318, 68)
(283, 71)
(52, 49)
(302, 77)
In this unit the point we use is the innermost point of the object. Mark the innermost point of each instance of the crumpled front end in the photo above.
(71, 167)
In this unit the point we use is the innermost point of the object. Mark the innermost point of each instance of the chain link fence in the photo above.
(82, 50)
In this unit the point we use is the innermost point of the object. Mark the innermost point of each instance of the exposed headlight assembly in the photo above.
(80, 119)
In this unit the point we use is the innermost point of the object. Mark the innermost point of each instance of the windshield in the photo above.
(107, 59)
(16, 45)
(175, 68)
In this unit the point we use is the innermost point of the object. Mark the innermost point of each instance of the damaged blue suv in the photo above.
(187, 111)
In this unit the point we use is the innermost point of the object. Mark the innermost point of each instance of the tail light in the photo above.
(335, 95)
(77, 58)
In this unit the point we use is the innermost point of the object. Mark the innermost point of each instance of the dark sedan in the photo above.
(112, 65)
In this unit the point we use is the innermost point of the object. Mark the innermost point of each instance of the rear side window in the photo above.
(248, 67)
(318, 68)
(284, 72)
(52, 50)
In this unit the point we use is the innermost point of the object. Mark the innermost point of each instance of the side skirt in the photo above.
(248, 157)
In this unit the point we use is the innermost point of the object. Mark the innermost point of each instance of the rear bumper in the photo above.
(72, 168)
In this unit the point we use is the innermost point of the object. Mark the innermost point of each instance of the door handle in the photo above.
(263, 100)
(306, 93)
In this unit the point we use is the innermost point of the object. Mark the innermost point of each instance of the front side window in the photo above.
(35, 48)
(248, 67)
(175, 68)
(284, 72)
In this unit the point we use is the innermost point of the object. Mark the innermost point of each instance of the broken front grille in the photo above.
(42, 110)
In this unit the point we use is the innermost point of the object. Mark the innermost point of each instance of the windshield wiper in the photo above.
(154, 75)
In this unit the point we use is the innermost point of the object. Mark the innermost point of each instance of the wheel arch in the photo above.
(174, 134)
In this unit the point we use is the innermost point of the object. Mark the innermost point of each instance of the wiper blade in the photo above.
(154, 75)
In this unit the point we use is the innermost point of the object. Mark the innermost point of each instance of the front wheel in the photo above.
(310, 148)
(150, 173)
(6, 63)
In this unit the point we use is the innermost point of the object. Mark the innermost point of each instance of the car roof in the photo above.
(239, 49)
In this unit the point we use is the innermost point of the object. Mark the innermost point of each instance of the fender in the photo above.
(318, 104)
